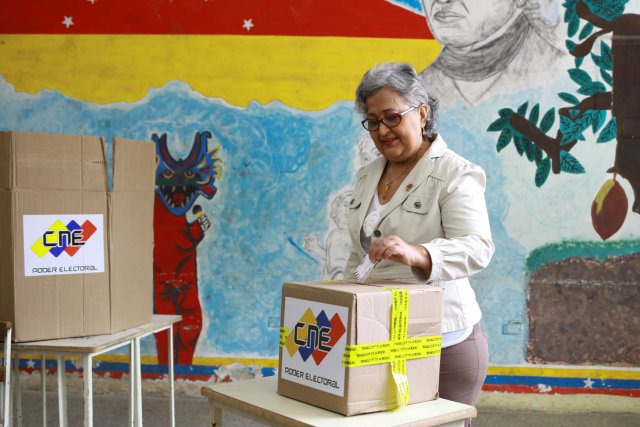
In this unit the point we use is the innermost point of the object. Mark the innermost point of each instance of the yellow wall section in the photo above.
(309, 73)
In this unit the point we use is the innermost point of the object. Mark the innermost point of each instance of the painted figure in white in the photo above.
(337, 243)
(491, 47)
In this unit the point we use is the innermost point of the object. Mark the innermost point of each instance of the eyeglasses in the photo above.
(390, 120)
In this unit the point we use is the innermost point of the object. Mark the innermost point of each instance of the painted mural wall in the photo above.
(252, 102)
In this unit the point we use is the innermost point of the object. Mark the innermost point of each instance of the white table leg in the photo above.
(172, 399)
(132, 381)
(17, 393)
(62, 393)
(43, 388)
(88, 390)
(6, 409)
(138, 398)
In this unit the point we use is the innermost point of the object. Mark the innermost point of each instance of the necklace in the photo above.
(401, 175)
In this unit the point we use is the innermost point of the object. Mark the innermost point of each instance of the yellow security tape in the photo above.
(396, 351)
(399, 326)
(388, 351)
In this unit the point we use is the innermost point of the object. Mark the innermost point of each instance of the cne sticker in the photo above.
(63, 244)
(313, 340)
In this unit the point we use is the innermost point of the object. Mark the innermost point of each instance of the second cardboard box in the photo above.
(345, 347)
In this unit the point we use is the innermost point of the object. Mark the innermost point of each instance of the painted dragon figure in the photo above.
(179, 183)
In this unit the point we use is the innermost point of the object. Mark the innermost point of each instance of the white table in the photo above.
(256, 403)
(87, 348)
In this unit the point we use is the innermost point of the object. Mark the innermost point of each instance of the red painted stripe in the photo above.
(524, 389)
(342, 18)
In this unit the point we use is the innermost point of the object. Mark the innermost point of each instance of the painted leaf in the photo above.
(498, 125)
(592, 88)
(609, 132)
(547, 120)
(530, 150)
(606, 77)
(522, 110)
(580, 76)
(586, 30)
(598, 117)
(570, 164)
(539, 154)
(607, 54)
(603, 61)
(585, 120)
(578, 60)
(569, 98)
(534, 114)
(504, 139)
(542, 171)
(518, 140)
(574, 25)
(593, 118)
(570, 130)
(570, 9)
(506, 113)
(606, 9)
(609, 209)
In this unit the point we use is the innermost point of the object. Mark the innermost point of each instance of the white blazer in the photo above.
(441, 206)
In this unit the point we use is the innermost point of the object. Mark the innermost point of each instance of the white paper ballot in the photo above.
(363, 270)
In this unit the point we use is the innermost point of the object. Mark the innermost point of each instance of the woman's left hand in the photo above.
(395, 249)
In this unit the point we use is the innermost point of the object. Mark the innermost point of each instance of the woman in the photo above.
(419, 213)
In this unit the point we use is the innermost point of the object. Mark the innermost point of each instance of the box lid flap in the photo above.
(133, 165)
(46, 161)
(94, 164)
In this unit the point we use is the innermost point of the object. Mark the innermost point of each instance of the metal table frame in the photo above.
(88, 348)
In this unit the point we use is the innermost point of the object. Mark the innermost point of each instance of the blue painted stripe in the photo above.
(562, 382)
(208, 370)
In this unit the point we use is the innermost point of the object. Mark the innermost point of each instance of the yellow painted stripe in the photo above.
(304, 72)
(566, 372)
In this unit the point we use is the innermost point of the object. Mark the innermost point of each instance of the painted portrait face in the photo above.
(400, 143)
(463, 23)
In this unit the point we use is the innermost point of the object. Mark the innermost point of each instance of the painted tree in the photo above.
(607, 106)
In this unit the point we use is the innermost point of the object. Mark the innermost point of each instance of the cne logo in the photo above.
(59, 238)
(314, 336)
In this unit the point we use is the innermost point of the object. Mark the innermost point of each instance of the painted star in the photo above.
(68, 21)
(588, 383)
(248, 24)
(543, 388)
(31, 364)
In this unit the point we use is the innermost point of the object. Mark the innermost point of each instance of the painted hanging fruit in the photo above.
(609, 208)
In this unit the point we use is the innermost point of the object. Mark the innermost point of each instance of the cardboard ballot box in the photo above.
(75, 258)
(353, 348)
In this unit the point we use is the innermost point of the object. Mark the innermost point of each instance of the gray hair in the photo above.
(405, 81)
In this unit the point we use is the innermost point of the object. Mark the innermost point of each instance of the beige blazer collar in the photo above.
(417, 176)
